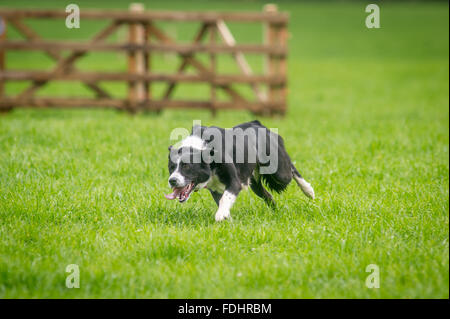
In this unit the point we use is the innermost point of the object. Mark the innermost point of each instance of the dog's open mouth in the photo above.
(182, 193)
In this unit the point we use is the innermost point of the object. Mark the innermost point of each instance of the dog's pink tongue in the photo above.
(173, 195)
(170, 196)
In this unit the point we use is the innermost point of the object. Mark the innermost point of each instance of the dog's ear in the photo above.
(170, 147)
(208, 156)
(198, 130)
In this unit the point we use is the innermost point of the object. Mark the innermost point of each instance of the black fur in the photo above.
(233, 174)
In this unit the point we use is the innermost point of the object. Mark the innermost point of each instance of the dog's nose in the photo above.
(173, 181)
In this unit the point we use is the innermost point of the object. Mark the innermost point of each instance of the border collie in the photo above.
(225, 161)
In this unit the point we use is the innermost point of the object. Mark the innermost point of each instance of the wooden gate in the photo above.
(144, 39)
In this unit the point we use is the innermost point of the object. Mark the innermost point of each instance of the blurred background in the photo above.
(366, 124)
(326, 39)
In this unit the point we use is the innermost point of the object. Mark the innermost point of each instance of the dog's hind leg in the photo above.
(258, 188)
(302, 183)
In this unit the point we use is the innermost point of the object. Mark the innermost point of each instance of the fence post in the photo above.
(3, 64)
(136, 61)
(271, 38)
(2, 55)
(283, 38)
(213, 60)
(148, 62)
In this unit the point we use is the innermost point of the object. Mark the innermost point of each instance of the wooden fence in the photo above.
(144, 39)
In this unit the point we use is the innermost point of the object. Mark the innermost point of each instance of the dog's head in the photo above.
(188, 172)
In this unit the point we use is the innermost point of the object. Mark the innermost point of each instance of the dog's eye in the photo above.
(185, 165)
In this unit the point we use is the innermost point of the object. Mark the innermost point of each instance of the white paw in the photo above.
(222, 214)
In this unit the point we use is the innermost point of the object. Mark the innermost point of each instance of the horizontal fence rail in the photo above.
(184, 49)
(98, 76)
(145, 105)
(144, 39)
(124, 16)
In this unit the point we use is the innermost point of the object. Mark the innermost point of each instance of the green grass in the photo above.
(367, 125)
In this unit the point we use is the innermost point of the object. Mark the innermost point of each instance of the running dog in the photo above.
(225, 161)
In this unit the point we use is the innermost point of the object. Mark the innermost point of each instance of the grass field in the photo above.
(367, 125)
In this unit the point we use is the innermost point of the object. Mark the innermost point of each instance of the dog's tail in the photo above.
(302, 183)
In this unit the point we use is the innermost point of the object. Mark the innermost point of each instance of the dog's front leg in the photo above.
(225, 204)
(228, 176)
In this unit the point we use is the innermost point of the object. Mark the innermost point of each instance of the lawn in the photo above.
(367, 125)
